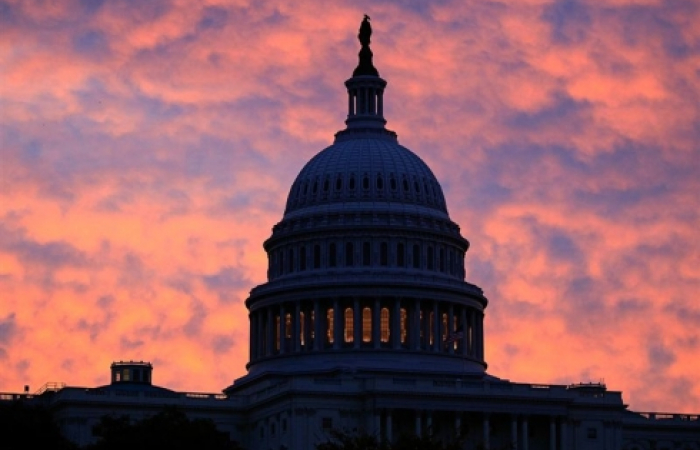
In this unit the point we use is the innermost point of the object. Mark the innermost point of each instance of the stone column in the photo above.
(337, 324)
(563, 435)
(514, 432)
(464, 343)
(389, 427)
(450, 327)
(376, 324)
(252, 343)
(526, 435)
(429, 423)
(419, 418)
(270, 330)
(415, 326)
(283, 329)
(552, 433)
(458, 425)
(318, 334)
(395, 333)
(436, 327)
(377, 424)
(487, 433)
(357, 331)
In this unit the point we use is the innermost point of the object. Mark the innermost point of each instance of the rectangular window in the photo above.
(400, 256)
(326, 423)
(383, 254)
(349, 250)
(332, 255)
(366, 253)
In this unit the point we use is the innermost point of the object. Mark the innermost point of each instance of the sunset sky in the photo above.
(147, 149)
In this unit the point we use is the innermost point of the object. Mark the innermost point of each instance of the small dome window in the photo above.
(315, 188)
(326, 185)
(405, 185)
(416, 186)
(365, 182)
(351, 183)
(392, 182)
(339, 183)
(380, 182)
(306, 187)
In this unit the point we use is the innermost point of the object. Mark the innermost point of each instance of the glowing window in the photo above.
(288, 326)
(301, 328)
(384, 325)
(312, 324)
(126, 374)
(366, 325)
(444, 326)
(329, 325)
(349, 325)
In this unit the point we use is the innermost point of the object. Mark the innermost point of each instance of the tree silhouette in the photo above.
(24, 425)
(170, 429)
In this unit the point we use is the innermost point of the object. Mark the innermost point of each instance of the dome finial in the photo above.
(365, 66)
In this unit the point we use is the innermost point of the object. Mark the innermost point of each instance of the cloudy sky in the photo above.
(147, 148)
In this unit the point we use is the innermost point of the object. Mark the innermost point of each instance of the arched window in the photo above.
(416, 256)
(400, 255)
(351, 183)
(349, 325)
(288, 326)
(290, 260)
(366, 325)
(332, 255)
(329, 325)
(349, 250)
(317, 256)
(339, 183)
(384, 254)
(441, 258)
(380, 182)
(366, 254)
(431, 258)
(365, 182)
(384, 325)
(404, 325)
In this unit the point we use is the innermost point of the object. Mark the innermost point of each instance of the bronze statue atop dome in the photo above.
(365, 66)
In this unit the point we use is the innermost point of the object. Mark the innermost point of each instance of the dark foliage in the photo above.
(24, 425)
(169, 429)
(343, 441)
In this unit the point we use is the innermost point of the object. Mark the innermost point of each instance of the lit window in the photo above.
(329, 328)
(288, 326)
(444, 327)
(384, 325)
(349, 328)
(366, 325)
(431, 325)
(126, 374)
(312, 325)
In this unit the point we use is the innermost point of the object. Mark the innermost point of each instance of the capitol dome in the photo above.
(366, 268)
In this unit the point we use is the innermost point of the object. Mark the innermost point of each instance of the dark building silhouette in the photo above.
(366, 324)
